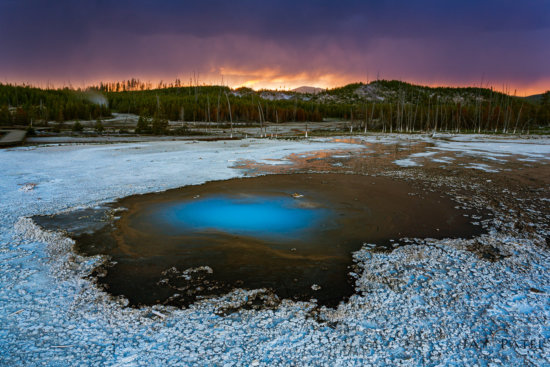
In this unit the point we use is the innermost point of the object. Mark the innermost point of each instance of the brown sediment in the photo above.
(372, 159)
(367, 209)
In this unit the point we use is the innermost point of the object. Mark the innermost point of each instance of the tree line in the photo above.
(212, 104)
(382, 105)
(25, 105)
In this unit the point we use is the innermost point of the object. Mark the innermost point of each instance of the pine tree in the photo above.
(21, 117)
(77, 127)
(99, 126)
(544, 109)
(143, 125)
(60, 116)
(160, 125)
(5, 116)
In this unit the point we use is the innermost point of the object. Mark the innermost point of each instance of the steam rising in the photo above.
(97, 98)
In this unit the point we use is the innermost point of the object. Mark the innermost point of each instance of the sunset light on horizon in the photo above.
(281, 45)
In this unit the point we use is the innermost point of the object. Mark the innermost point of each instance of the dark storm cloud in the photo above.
(435, 41)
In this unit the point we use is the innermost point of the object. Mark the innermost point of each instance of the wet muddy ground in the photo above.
(512, 186)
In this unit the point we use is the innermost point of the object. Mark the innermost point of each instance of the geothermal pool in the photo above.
(293, 235)
(279, 217)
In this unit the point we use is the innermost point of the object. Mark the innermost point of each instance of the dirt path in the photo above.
(12, 137)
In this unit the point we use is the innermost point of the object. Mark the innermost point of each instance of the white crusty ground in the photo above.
(432, 304)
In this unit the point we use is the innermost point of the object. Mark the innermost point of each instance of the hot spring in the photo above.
(291, 234)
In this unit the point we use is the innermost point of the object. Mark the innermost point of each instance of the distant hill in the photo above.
(308, 90)
(395, 91)
(535, 98)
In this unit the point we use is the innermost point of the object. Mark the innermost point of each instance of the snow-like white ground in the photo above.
(424, 305)
(490, 148)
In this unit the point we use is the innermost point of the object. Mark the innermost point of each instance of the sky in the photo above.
(278, 44)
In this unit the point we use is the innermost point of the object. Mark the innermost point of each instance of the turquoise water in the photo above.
(259, 216)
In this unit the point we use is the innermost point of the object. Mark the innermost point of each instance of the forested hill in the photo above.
(383, 105)
(21, 105)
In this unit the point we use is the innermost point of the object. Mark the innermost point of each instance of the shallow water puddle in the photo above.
(291, 234)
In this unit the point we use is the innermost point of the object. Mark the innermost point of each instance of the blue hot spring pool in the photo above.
(258, 216)
(181, 245)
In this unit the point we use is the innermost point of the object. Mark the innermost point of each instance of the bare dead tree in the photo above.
(372, 112)
(296, 106)
(208, 110)
(218, 109)
(260, 114)
(230, 116)
(366, 115)
(276, 122)
(517, 120)
(436, 114)
(415, 111)
(208, 106)
(351, 121)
